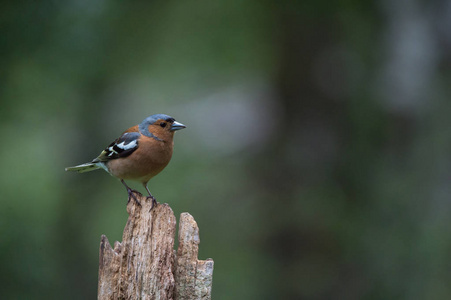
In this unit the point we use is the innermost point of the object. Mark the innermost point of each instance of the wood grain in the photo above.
(144, 265)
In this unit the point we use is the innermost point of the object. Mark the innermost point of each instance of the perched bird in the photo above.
(140, 153)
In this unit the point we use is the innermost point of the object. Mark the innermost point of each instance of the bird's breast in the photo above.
(148, 160)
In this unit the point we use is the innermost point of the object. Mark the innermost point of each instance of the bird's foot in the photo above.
(132, 195)
(154, 201)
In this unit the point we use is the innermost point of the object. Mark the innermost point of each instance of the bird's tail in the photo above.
(87, 167)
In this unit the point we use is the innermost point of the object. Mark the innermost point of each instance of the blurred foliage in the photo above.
(316, 159)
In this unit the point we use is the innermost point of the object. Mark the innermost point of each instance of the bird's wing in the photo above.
(122, 147)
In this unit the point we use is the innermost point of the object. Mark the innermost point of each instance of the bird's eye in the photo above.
(163, 124)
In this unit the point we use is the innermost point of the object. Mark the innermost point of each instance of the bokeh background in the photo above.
(316, 159)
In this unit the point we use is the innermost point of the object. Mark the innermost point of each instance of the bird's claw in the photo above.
(154, 201)
(132, 195)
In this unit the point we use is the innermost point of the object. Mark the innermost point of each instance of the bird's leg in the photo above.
(154, 201)
(130, 193)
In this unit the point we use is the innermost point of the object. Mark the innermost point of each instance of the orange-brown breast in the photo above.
(148, 160)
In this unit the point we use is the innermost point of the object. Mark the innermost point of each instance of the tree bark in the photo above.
(144, 265)
(193, 277)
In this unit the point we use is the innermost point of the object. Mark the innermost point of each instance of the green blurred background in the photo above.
(316, 159)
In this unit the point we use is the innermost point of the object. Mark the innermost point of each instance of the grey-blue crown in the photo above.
(153, 118)
(144, 126)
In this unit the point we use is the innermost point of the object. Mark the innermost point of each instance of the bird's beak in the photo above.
(177, 126)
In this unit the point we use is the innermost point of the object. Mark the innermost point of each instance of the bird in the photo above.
(140, 153)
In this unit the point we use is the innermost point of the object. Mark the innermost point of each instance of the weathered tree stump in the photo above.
(145, 266)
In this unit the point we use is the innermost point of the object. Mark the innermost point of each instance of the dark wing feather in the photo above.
(122, 147)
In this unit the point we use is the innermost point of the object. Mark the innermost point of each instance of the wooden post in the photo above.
(145, 266)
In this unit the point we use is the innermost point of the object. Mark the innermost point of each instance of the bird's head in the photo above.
(160, 126)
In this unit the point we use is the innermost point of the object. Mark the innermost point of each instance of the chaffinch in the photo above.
(140, 153)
